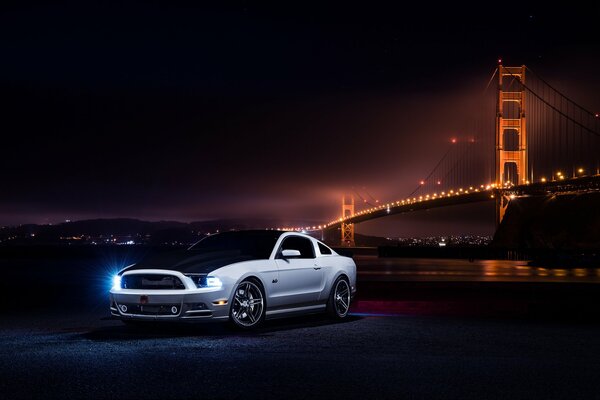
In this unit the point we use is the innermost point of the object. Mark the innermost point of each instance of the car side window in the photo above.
(301, 244)
(324, 249)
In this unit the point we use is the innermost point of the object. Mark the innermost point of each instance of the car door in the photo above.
(326, 261)
(300, 278)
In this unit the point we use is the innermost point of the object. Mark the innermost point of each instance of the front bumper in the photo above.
(176, 305)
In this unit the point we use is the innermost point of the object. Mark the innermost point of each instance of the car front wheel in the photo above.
(339, 298)
(248, 306)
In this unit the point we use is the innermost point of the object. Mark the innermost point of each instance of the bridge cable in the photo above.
(362, 198)
(433, 170)
(457, 166)
(556, 109)
(559, 92)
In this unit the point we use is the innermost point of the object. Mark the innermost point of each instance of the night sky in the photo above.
(189, 112)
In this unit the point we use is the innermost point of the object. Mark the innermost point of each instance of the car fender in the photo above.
(231, 275)
(348, 269)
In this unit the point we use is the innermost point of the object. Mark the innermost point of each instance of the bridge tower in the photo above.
(508, 121)
(505, 124)
(347, 229)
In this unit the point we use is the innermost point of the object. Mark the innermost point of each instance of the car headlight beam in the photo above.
(116, 282)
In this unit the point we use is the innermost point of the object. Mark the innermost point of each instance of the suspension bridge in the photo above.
(528, 139)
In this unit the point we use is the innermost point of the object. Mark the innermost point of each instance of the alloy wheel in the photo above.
(248, 304)
(341, 298)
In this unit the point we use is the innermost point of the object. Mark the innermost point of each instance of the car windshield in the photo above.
(255, 244)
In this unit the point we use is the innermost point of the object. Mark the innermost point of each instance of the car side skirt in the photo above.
(297, 309)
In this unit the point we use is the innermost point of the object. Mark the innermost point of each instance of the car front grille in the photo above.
(151, 282)
(149, 309)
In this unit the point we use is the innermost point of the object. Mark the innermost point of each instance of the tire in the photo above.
(338, 304)
(248, 305)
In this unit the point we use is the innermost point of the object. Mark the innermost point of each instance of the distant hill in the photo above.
(121, 230)
(151, 232)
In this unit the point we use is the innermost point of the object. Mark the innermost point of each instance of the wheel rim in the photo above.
(342, 298)
(248, 304)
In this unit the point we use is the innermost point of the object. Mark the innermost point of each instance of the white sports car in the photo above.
(241, 276)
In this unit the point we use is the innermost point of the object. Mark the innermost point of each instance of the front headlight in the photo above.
(213, 282)
(116, 282)
(203, 281)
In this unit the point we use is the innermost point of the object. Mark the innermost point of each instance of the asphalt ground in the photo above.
(416, 339)
(391, 357)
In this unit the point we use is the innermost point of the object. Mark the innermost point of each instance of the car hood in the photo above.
(189, 262)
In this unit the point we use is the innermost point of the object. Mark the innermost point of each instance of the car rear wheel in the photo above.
(339, 298)
(248, 307)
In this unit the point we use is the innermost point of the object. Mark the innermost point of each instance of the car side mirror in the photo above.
(289, 253)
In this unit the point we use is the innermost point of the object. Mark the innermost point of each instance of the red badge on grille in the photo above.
(143, 299)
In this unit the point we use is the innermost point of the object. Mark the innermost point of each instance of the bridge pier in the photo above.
(347, 228)
(502, 202)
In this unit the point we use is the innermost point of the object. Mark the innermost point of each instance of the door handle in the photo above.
(317, 267)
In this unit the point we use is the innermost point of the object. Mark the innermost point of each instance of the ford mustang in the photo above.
(243, 277)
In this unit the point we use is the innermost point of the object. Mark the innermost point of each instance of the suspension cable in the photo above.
(554, 108)
(560, 93)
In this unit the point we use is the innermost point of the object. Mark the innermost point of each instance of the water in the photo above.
(372, 268)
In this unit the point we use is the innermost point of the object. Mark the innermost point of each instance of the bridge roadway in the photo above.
(465, 196)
